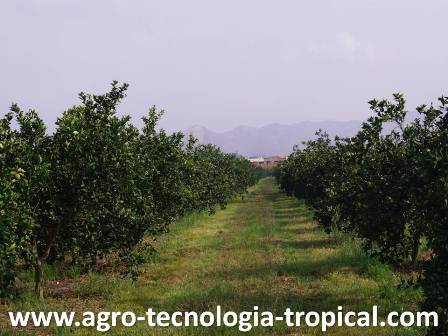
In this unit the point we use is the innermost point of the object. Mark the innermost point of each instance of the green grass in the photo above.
(264, 250)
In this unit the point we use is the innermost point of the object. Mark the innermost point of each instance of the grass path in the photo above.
(262, 251)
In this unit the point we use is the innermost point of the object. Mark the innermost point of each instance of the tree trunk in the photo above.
(41, 257)
(38, 289)
(415, 250)
(94, 260)
(52, 257)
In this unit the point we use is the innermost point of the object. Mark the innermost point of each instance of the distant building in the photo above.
(256, 160)
(272, 161)
(266, 162)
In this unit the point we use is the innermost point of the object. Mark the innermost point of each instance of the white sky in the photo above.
(224, 63)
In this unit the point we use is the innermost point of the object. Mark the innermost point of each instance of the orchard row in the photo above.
(388, 185)
(98, 185)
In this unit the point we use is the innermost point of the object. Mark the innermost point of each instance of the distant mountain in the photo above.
(271, 139)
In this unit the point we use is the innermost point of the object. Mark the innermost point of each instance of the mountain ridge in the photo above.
(271, 139)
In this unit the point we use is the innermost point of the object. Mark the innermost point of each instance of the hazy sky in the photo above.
(224, 63)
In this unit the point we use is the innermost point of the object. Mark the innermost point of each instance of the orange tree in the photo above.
(388, 185)
(98, 185)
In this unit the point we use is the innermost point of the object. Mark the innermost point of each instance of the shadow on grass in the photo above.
(308, 244)
(300, 230)
(223, 292)
(309, 280)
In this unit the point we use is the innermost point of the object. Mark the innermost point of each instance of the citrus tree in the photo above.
(388, 184)
(98, 185)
